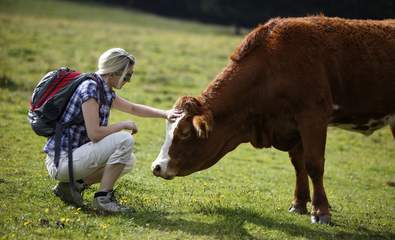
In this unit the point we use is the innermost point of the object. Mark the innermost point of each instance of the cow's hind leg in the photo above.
(302, 192)
(313, 127)
(392, 126)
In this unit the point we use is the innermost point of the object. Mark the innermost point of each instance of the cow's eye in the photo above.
(185, 133)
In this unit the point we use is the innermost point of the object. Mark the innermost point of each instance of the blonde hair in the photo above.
(114, 60)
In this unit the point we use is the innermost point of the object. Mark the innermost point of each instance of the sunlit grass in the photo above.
(244, 196)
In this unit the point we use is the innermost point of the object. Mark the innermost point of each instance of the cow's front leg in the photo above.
(313, 134)
(302, 191)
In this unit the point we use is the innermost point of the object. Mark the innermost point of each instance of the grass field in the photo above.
(244, 196)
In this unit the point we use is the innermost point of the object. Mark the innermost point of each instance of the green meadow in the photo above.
(244, 196)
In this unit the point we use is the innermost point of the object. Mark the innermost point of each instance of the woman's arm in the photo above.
(90, 111)
(143, 110)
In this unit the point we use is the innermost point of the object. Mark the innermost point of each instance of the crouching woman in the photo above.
(101, 153)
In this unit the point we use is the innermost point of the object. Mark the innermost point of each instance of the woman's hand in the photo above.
(129, 125)
(173, 114)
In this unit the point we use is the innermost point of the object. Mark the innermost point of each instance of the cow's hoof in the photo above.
(297, 209)
(322, 219)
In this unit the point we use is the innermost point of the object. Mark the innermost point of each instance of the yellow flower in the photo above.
(27, 223)
(104, 226)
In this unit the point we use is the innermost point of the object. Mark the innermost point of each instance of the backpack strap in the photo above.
(58, 134)
(102, 99)
(71, 173)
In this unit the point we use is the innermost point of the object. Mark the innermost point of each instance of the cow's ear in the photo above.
(203, 124)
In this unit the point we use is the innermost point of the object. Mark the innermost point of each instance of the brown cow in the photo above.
(285, 84)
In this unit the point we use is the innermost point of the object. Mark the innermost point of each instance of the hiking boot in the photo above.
(68, 194)
(105, 202)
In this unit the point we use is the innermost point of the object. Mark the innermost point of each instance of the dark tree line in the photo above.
(249, 13)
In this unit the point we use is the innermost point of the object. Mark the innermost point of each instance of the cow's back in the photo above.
(360, 64)
(353, 59)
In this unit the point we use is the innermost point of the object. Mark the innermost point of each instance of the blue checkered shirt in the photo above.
(86, 90)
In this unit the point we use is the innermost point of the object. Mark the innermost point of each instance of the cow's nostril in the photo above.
(157, 169)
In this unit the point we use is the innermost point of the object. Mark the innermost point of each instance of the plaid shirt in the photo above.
(88, 89)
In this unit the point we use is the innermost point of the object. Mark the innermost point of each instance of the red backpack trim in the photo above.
(62, 79)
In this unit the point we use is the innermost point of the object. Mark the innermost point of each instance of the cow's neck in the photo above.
(235, 98)
(230, 98)
(230, 92)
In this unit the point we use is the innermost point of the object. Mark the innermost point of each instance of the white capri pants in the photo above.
(114, 148)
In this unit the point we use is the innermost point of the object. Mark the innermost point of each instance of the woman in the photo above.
(101, 152)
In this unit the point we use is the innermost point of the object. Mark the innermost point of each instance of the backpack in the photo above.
(51, 96)
(48, 102)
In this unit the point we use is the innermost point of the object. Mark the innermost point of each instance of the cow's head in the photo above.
(192, 142)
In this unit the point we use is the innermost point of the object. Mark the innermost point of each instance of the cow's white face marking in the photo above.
(163, 158)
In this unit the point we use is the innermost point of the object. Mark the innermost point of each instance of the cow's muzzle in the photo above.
(158, 171)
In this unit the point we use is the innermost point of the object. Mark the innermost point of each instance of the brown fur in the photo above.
(287, 81)
(253, 40)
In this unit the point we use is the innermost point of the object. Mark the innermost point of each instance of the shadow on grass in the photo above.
(232, 225)
(7, 82)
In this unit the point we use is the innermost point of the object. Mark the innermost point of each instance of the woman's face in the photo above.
(117, 80)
